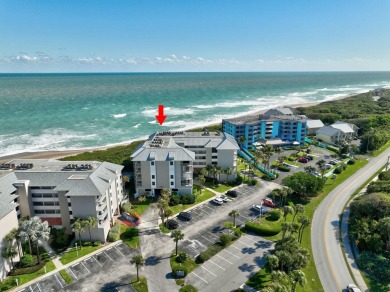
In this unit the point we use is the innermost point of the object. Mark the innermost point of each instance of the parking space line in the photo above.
(244, 217)
(247, 245)
(236, 247)
(97, 261)
(31, 289)
(119, 250)
(208, 271)
(213, 234)
(200, 278)
(75, 265)
(86, 268)
(108, 256)
(231, 253)
(217, 265)
(247, 237)
(207, 239)
(73, 273)
(39, 287)
(224, 259)
(62, 286)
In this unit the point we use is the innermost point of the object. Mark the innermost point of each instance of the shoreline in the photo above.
(58, 154)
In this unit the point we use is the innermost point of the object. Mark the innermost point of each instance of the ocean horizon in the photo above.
(72, 111)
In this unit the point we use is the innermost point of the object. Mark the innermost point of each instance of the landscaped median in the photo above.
(73, 254)
(141, 286)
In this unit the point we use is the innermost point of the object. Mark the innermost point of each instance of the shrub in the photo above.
(27, 270)
(274, 215)
(182, 257)
(208, 253)
(384, 175)
(96, 243)
(187, 199)
(332, 148)
(253, 182)
(181, 268)
(188, 288)
(239, 180)
(126, 207)
(284, 168)
(224, 239)
(291, 158)
(174, 200)
(130, 232)
(114, 233)
(338, 170)
(378, 186)
(61, 239)
(266, 177)
(26, 261)
(9, 283)
(351, 161)
(261, 229)
(376, 265)
(87, 243)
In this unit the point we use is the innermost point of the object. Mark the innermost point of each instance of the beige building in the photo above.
(59, 191)
(169, 160)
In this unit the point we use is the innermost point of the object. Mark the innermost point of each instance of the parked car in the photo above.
(327, 166)
(353, 288)
(185, 216)
(232, 193)
(326, 156)
(257, 208)
(303, 160)
(269, 202)
(218, 201)
(171, 224)
(224, 198)
(308, 157)
(333, 162)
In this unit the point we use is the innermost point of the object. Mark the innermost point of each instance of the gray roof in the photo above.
(163, 154)
(311, 124)
(328, 131)
(343, 127)
(6, 197)
(281, 111)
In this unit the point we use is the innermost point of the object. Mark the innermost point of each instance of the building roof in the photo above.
(344, 127)
(352, 126)
(312, 124)
(280, 111)
(167, 146)
(327, 131)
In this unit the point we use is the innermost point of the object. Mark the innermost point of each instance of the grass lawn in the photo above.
(132, 240)
(221, 188)
(164, 229)
(259, 280)
(189, 264)
(383, 148)
(71, 254)
(140, 207)
(313, 280)
(141, 286)
(206, 194)
(273, 224)
(66, 276)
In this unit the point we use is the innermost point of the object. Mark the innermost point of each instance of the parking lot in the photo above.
(107, 270)
(207, 223)
(231, 267)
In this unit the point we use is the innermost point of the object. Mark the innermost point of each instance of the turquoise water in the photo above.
(72, 111)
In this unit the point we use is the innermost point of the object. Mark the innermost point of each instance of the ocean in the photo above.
(41, 112)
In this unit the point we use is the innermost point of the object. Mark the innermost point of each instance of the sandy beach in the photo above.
(62, 154)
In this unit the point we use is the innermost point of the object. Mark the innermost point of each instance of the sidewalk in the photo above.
(53, 256)
(65, 266)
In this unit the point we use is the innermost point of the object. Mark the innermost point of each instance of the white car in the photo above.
(218, 201)
(353, 288)
(257, 208)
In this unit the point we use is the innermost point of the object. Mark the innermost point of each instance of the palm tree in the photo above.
(8, 253)
(305, 221)
(268, 150)
(43, 232)
(162, 204)
(297, 276)
(298, 208)
(234, 214)
(241, 141)
(279, 150)
(168, 212)
(78, 227)
(286, 226)
(139, 262)
(218, 171)
(201, 179)
(281, 278)
(321, 163)
(271, 263)
(14, 235)
(228, 172)
(309, 169)
(177, 235)
(209, 169)
(27, 233)
(287, 210)
(90, 222)
(294, 228)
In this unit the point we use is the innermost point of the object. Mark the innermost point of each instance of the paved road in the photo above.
(327, 252)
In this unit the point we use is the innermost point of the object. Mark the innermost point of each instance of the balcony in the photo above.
(186, 183)
(186, 169)
(103, 213)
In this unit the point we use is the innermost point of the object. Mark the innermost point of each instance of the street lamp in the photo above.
(77, 250)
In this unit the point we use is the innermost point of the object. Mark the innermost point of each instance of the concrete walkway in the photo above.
(65, 266)
(53, 256)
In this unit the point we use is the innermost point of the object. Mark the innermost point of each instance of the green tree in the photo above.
(139, 262)
(168, 212)
(177, 235)
(14, 235)
(228, 172)
(304, 184)
(241, 141)
(298, 208)
(78, 227)
(90, 222)
(9, 252)
(304, 221)
(321, 166)
(384, 229)
(42, 233)
(297, 277)
(271, 263)
(287, 210)
(27, 233)
(163, 203)
(234, 214)
(286, 226)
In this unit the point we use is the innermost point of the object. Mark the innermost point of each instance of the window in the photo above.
(69, 204)
(153, 176)
(172, 183)
(152, 163)
(70, 213)
(38, 203)
(175, 190)
(170, 162)
(36, 195)
(171, 176)
(153, 183)
(17, 208)
(39, 211)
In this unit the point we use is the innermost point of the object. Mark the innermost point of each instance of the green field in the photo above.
(206, 194)
(72, 254)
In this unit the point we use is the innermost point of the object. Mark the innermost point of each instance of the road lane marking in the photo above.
(224, 259)
(231, 253)
(200, 278)
(208, 271)
(55, 276)
(217, 265)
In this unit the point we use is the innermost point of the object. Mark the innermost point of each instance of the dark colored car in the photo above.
(308, 157)
(232, 193)
(171, 224)
(185, 216)
(303, 160)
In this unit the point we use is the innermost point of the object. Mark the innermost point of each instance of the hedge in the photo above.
(188, 288)
(332, 148)
(208, 253)
(384, 175)
(181, 199)
(181, 268)
(127, 207)
(261, 229)
(114, 233)
(28, 270)
(274, 215)
(284, 168)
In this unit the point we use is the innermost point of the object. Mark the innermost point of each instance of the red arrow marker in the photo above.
(161, 118)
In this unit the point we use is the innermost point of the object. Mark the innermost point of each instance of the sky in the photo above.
(197, 35)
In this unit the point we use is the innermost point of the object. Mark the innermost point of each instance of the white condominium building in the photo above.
(169, 160)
